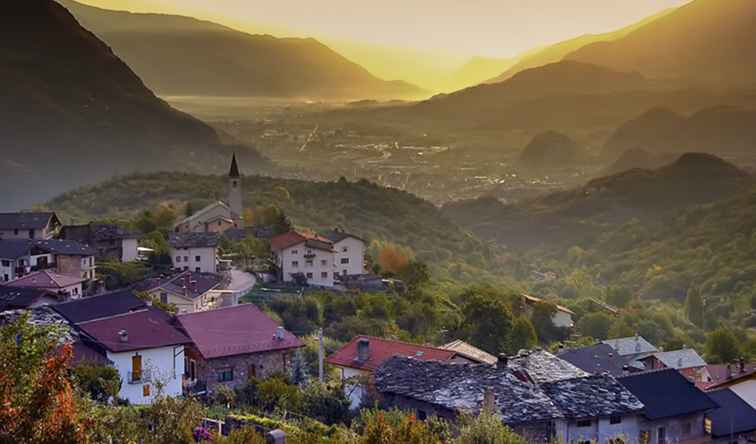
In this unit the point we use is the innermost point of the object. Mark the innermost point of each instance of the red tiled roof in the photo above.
(149, 328)
(382, 349)
(236, 330)
(720, 378)
(286, 240)
(45, 279)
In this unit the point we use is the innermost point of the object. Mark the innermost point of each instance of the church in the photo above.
(218, 216)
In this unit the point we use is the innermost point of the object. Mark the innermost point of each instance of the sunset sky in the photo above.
(476, 27)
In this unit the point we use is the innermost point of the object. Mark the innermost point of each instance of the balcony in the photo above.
(309, 255)
(140, 377)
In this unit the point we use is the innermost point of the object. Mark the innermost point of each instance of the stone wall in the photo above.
(265, 364)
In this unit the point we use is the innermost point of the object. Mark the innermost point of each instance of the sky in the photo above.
(494, 28)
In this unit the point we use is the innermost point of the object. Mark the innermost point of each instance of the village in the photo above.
(193, 331)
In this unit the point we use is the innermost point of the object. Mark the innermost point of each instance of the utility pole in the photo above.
(321, 355)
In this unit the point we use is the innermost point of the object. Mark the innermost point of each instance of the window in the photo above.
(163, 297)
(252, 371)
(6, 263)
(645, 437)
(687, 427)
(15, 231)
(31, 234)
(91, 261)
(662, 436)
(136, 367)
(178, 258)
(422, 415)
(197, 258)
(219, 223)
(308, 263)
(309, 275)
(324, 275)
(146, 390)
(344, 249)
(324, 262)
(226, 374)
(186, 258)
(295, 264)
(198, 269)
(707, 426)
(615, 420)
(6, 277)
(344, 260)
(294, 251)
(584, 423)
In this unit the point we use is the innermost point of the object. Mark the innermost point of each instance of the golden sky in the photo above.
(475, 27)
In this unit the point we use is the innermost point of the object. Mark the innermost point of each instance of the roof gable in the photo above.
(470, 352)
(45, 279)
(680, 359)
(146, 329)
(734, 415)
(237, 330)
(667, 393)
(194, 240)
(633, 345)
(27, 221)
(595, 359)
(543, 366)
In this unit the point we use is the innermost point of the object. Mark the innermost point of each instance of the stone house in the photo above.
(585, 409)
(33, 225)
(232, 344)
(108, 240)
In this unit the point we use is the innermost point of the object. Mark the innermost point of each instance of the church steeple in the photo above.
(234, 171)
(235, 191)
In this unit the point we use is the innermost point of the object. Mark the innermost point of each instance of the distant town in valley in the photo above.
(215, 229)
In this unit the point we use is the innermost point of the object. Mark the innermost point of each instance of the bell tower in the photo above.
(235, 190)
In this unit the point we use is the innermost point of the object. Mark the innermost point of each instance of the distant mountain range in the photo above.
(556, 52)
(177, 55)
(718, 130)
(74, 113)
(581, 216)
(550, 150)
(709, 42)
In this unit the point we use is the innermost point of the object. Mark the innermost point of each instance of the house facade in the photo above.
(349, 252)
(110, 241)
(33, 225)
(233, 344)
(146, 348)
(304, 259)
(196, 252)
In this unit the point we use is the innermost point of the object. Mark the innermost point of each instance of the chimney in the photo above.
(637, 344)
(124, 335)
(729, 371)
(503, 362)
(279, 334)
(625, 370)
(489, 401)
(741, 362)
(363, 349)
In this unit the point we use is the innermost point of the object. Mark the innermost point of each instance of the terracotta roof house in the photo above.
(102, 306)
(146, 348)
(189, 291)
(50, 281)
(719, 373)
(570, 410)
(358, 358)
(675, 409)
(232, 344)
(470, 352)
(540, 366)
(33, 225)
(595, 359)
(733, 421)
(304, 259)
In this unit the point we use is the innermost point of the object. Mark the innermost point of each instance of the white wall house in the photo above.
(146, 349)
(306, 257)
(349, 257)
(129, 250)
(196, 252)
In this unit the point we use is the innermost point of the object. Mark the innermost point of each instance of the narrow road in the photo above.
(309, 138)
(241, 282)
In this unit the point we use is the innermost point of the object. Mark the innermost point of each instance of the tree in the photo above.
(100, 382)
(486, 320)
(393, 426)
(392, 258)
(694, 307)
(486, 428)
(38, 404)
(542, 320)
(523, 336)
(722, 346)
(415, 274)
(595, 325)
(327, 404)
(618, 296)
(189, 210)
(172, 420)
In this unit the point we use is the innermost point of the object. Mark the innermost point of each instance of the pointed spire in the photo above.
(234, 172)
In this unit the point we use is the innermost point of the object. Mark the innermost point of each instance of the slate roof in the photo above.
(45, 279)
(237, 330)
(65, 247)
(633, 345)
(102, 306)
(667, 393)
(148, 328)
(187, 283)
(595, 359)
(26, 221)
(471, 352)
(680, 359)
(12, 298)
(461, 387)
(14, 248)
(592, 396)
(194, 240)
(204, 210)
(543, 366)
(382, 349)
(733, 416)
(339, 235)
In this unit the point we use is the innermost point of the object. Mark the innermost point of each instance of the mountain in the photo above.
(638, 158)
(74, 113)
(710, 42)
(557, 79)
(475, 71)
(718, 130)
(581, 216)
(178, 55)
(550, 150)
(556, 52)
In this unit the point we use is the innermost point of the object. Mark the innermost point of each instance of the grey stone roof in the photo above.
(194, 240)
(680, 359)
(591, 397)
(596, 359)
(542, 366)
(25, 221)
(461, 387)
(43, 316)
(633, 345)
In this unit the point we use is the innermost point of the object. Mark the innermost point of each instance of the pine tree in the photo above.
(694, 307)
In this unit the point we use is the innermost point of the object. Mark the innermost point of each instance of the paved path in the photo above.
(241, 281)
